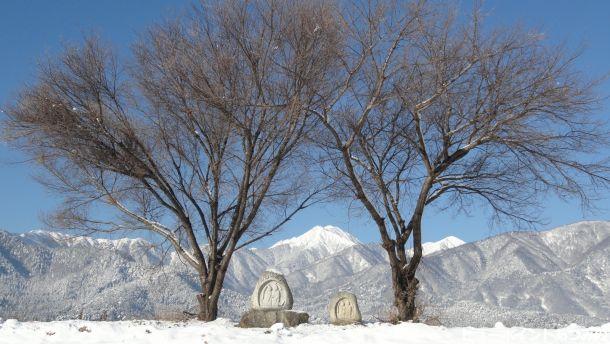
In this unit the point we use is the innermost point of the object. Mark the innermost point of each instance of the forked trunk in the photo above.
(208, 299)
(404, 282)
(405, 291)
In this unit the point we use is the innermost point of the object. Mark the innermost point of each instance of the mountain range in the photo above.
(533, 279)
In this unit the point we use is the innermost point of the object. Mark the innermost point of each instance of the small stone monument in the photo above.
(271, 292)
(343, 309)
(272, 303)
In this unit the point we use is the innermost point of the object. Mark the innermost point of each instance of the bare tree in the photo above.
(199, 140)
(426, 109)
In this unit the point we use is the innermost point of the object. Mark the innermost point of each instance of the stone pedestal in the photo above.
(268, 317)
(343, 309)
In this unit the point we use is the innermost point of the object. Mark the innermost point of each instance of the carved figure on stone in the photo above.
(343, 309)
(271, 296)
(272, 303)
(272, 292)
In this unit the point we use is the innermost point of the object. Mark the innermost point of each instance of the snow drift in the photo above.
(223, 331)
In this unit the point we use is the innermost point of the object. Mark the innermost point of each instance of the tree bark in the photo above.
(208, 299)
(405, 290)
(404, 282)
(208, 307)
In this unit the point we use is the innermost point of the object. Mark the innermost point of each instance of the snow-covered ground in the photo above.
(224, 331)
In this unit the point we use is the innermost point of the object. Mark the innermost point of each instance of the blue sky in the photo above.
(30, 29)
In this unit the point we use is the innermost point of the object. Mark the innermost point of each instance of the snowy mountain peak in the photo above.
(332, 238)
(441, 245)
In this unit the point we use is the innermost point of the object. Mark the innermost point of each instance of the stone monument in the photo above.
(271, 292)
(272, 303)
(343, 309)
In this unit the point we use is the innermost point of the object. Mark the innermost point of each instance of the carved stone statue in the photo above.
(272, 303)
(343, 309)
(271, 292)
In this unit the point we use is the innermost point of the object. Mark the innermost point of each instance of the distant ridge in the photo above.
(520, 278)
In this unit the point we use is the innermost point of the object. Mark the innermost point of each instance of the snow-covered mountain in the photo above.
(327, 240)
(520, 278)
(441, 245)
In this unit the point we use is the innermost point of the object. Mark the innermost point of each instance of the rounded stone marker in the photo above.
(343, 309)
(271, 292)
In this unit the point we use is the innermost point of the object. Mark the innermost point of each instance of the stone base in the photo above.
(267, 317)
(346, 322)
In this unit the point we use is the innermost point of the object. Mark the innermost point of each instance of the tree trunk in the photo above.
(404, 282)
(405, 291)
(208, 299)
(208, 307)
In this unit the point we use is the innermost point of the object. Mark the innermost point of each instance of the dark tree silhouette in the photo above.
(199, 140)
(428, 108)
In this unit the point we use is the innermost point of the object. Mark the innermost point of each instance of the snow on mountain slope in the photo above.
(522, 278)
(330, 239)
(56, 239)
(137, 248)
(525, 271)
(327, 251)
(441, 245)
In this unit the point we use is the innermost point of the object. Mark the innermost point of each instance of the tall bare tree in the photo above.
(199, 140)
(429, 108)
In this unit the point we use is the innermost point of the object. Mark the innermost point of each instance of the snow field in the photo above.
(224, 331)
